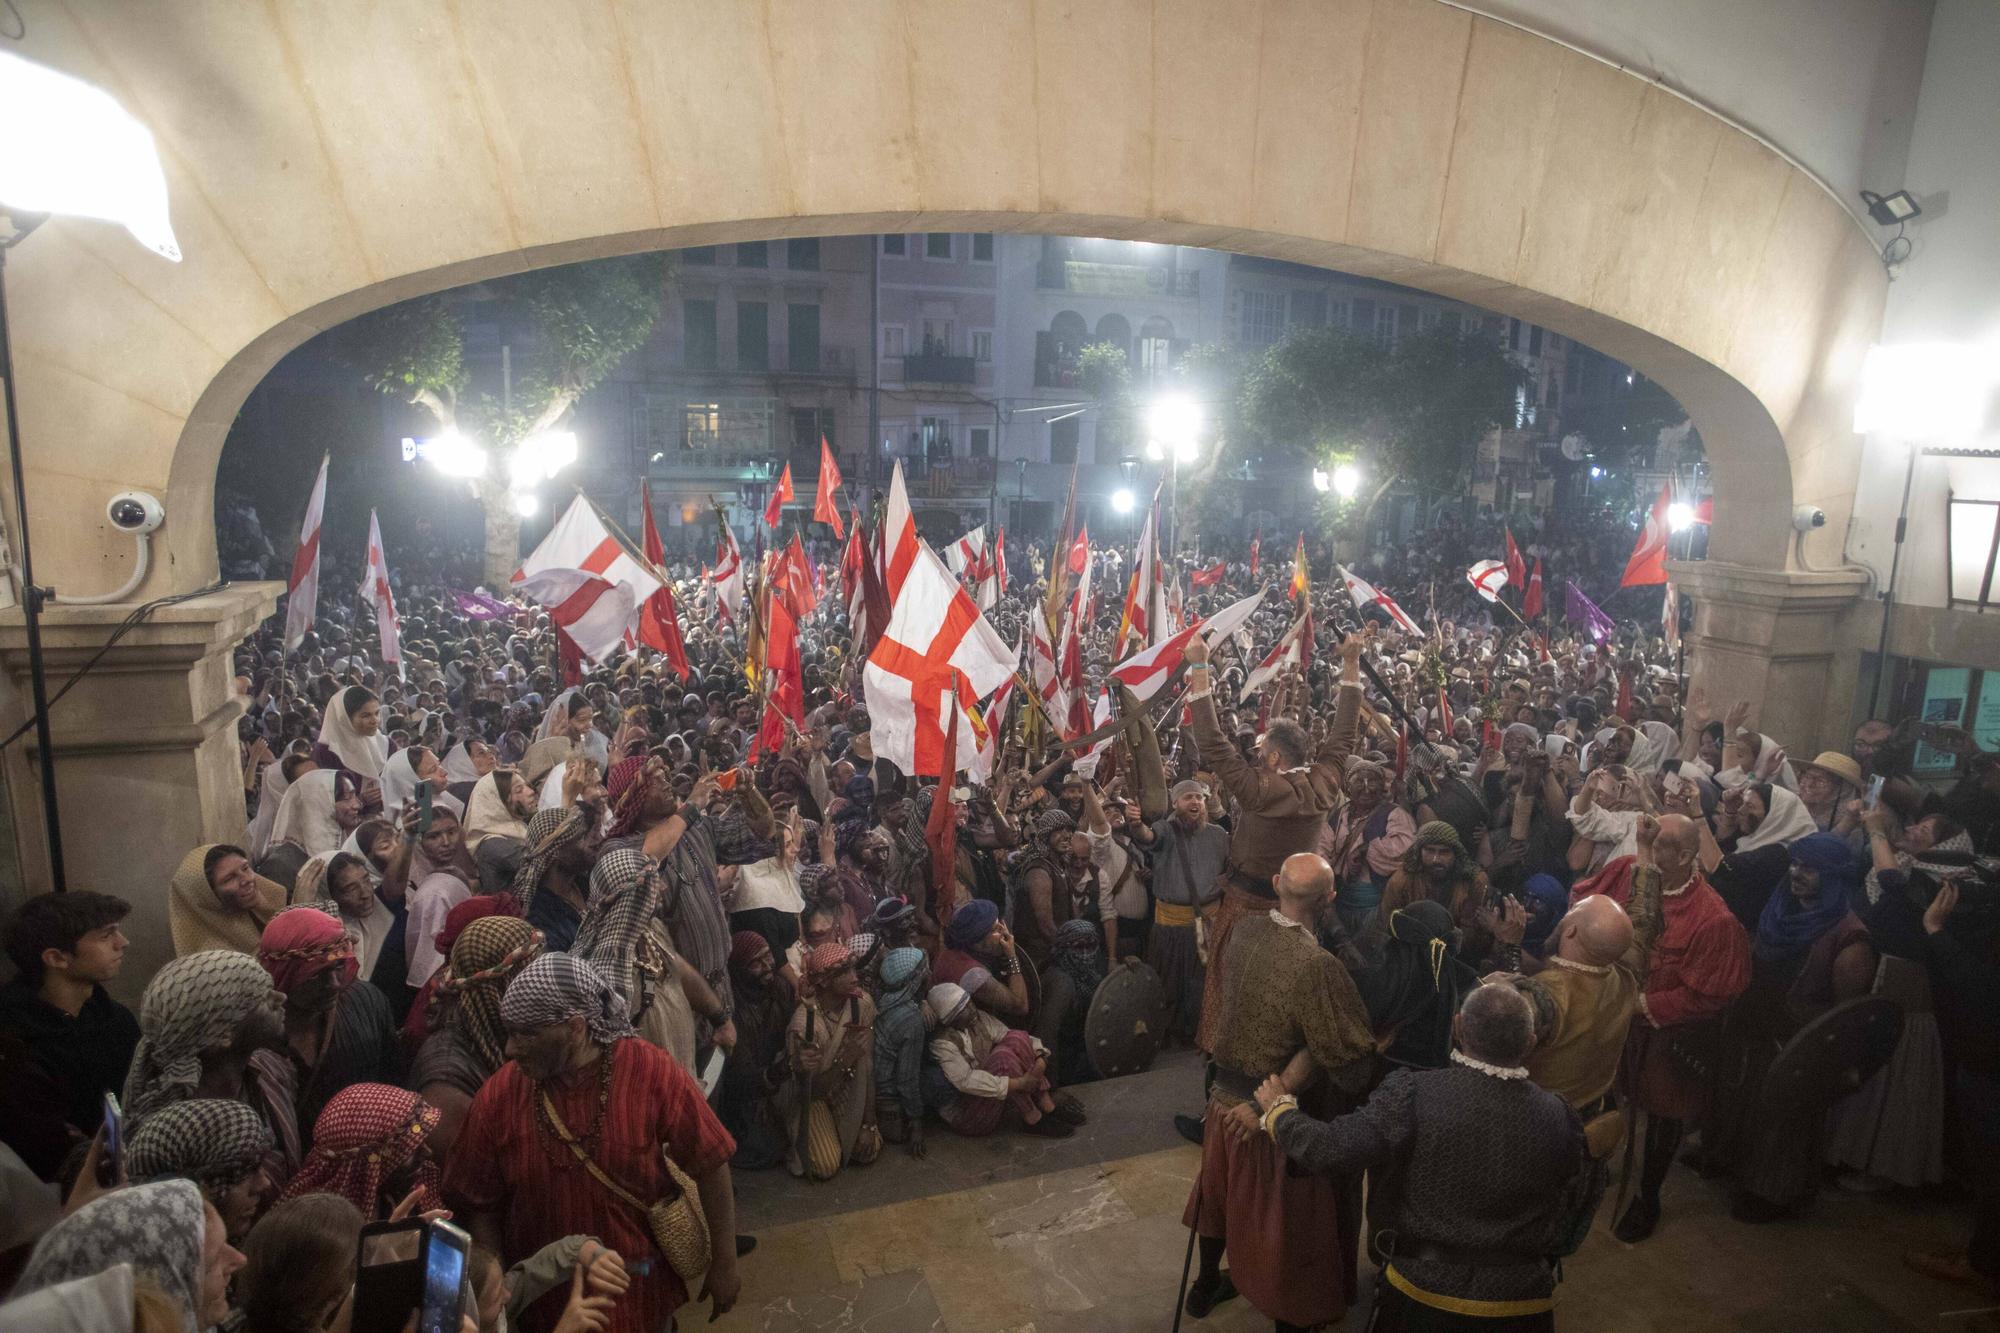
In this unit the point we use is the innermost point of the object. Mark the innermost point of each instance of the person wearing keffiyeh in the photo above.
(467, 1042)
(336, 1032)
(219, 1145)
(552, 887)
(371, 1146)
(209, 1010)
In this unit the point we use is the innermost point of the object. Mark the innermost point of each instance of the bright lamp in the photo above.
(1346, 480)
(73, 149)
(1928, 391)
(1321, 481)
(454, 455)
(1123, 501)
(540, 456)
(526, 504)
(1680, 516)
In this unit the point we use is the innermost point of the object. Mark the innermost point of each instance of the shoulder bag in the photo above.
(679, 1226)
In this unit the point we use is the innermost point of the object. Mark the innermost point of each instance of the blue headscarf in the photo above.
(970, 924)
(1547, 900)
(1788, 926)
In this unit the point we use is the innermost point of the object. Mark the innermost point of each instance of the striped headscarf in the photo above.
(548, 833)
(368, 1133)
(560, 986)
(212, 1141)
(484, 958)
(630, 783)
(193, 1004)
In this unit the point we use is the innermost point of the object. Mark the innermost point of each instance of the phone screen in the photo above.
(423, 808)
(445, 1248)
(114, 1141)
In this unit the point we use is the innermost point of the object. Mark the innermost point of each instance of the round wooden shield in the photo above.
(1833, 1055)
(1034, 980)
(1123, 1027)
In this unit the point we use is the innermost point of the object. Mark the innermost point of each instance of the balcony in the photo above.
(1087, 278)
(933, 368)
(826, 359)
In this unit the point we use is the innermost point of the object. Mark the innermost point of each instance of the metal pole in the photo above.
(31, 600)
(1889, 589)
(875, 359)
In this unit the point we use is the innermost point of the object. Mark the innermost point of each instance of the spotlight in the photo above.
(1891, 210)
(526, 504)
(1122, 501)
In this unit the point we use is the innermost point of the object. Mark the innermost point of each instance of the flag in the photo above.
(1290, 651)
(1000, 562)
(1531, 600)
(1042, 668)
(659, 618)
(967, 555)
(582, 541)
(1301, 574)
(302, 593)
(1079, 553)
(1670, 617)
(1487, 578)
(936, 656)
(1363, 593)
(941, 829)
(591, 610)
(1069, 660)
(1087, 762)
(898, 537)
(728, 576)
(1143, 617)
(781, 495)
(478, 606)
(853, 590)
(991, 721)
(792, 581)
(1648, 562)
(1146, 671)
(1255, 543)
(825, 508)
(1580, 610)
(375, 591)
(992, 583)
(1446, 722)
(784, 680)
(1058, 589)
(1517, 564)
(1208, 578)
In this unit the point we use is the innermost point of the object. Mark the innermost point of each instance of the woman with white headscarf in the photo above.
(173, 1239)
(317, 814)
(1606, 814)
(351, 736)
(270, 795)
(1747, 853)
(405, 771)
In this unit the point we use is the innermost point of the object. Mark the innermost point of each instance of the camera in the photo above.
(1807, 517)
(135, 512)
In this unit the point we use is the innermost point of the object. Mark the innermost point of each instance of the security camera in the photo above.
(135, 512)
(1807, 517)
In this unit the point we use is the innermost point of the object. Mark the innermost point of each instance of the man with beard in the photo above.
(756, 1067)
(907, 872)
(1366, 842)
(1698, 965)
(1437, 867)
(552, 887)
(1188, 856)
(1057, 884)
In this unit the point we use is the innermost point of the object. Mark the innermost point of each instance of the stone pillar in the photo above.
(145, 748)
(1774, 636)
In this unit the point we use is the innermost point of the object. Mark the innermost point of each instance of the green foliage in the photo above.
(411, 348)
(1103, 371)
(590, 316)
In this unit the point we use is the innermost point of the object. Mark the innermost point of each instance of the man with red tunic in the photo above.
(1698, 966)
(579, 1073)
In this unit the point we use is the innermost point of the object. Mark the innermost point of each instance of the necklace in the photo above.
(552, 1143)
(1595, 969)
(1492, 1071)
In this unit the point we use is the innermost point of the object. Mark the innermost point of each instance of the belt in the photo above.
(1463, 1257)
(1239, 1085)
(1248, 883)
(1462, 1305)
(1172, 914)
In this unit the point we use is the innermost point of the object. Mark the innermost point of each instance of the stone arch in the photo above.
(1116, 330)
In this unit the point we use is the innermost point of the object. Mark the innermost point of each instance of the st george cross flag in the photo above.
(826, 508)
(1517, 564)
(935, 636)
(1290, 651)
(302, 594)
(781, 495)
(898, 537)
(1143, 618)
(729, 575)
(1363, 593)
(1531, 600)
(1487, 578)
(592, 611)
(376, 593)
(994, 720)
(1145, 672)
(967, 555)
(1580, 610)
(1042, 668)
(1648, 563)
(581, 541)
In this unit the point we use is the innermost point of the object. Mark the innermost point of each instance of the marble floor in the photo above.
(1013, 1234)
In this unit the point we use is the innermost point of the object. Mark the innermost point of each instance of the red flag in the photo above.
(941, 830)
(1648, 563)
(569, 658)
(1517, 564)
(1208, 578)
(824, 509)
(1531, 600)
(781, 495)
(1255, 542)
(1445, 721)
(659, 618)
(1402, 750)
(792, 579)
(784, 682)
(1079, 552)
(302, 596)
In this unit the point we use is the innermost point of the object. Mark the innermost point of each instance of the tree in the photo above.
(577, 323)
(1412, 412)
(1103, 371)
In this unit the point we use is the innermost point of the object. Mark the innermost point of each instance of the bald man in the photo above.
(1290, 1235)
(1584, 1000)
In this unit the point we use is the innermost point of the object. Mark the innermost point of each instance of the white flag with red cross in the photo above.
(934, 631)
(1289, 652)
(1363, 593)
(302, 592)
(1147, 670)
(375, 591)
(1487, 578)
(898, 537)
(591, 610)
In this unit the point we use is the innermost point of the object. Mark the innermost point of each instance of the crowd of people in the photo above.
(1458, 911)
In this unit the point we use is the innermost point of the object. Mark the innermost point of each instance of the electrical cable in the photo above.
(126, 626)
(20, 24)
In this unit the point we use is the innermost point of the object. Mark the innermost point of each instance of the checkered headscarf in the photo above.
(548, 833)
(560, 986)
(1053, 821)
(193, 1004)
(483, 960)
(214, 1142)
(366, 1134)
(625, 894)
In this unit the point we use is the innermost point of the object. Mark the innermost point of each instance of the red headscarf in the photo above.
(302, 942)
(367, 1133)
(823, 963)
(629, 784)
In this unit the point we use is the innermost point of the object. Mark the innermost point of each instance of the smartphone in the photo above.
(1874, 796)
(423, 808)
(410, 1267)
(109, 1160)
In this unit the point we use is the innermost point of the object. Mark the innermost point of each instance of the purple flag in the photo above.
(478, 606)
(1580, 610)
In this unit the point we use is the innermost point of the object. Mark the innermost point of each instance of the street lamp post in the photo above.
(1175, 424)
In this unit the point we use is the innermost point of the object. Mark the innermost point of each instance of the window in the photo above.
(1155, 355)
(1263, 318)
(982, 441)
(703, 425)
(982, 345)
(893, 340)
(935, 439)
(895, 244)
(1309, 308)
(698, 334)
(698, 254)
(1064, 437)
(802, 337)
(802, 254)
(982, 247)
(753, 335)
(937, 337)
(1535, 341)
(809, 426)
(752, 254)
(1361, 315)
(1385, 324)
(937, 245)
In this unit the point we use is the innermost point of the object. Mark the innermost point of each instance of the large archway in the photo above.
(324, 161)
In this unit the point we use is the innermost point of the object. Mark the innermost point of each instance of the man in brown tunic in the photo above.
(1286, 1007)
